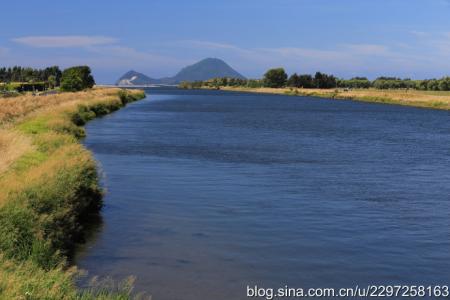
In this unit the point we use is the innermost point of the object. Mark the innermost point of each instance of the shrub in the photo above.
(76, 79)
(275, 78)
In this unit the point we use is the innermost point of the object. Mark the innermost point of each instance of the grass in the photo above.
(28, 281)
(14, 109)
(12, 146)
(425, 99)
(49, 187)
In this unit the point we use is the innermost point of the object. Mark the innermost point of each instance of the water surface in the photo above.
(211, 191)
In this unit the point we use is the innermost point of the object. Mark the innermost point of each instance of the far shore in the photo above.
(424, 99)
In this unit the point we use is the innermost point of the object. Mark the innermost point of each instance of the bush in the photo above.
(275, 78)
(254, 83)
(76, 79)
(25, 86)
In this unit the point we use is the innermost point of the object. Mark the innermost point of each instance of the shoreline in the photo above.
(50, 188)
(414, 98)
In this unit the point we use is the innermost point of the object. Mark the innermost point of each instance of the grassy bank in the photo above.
(426, 99)
(49, 188)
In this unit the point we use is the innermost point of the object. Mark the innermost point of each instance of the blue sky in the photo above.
(406, 38)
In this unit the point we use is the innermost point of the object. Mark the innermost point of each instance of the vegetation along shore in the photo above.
(49, 185)
(431, 93)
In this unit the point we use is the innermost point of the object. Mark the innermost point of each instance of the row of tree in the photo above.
(20, 74)
(28, 79)
(276, 78)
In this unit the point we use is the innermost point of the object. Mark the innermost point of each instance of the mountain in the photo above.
(135, 78)
(203, 70)
(206, 69)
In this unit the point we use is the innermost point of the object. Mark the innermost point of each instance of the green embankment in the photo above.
(47, 194)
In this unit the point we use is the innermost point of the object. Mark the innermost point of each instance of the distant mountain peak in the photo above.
(135, 78)
(212, 59)
(204, 69)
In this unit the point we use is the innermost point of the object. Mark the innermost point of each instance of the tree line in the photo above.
(23, 79)
(22, 74)
(278, 78)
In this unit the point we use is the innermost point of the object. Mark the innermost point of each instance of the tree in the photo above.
(444, 84)
(306, 81)
(275, 78)
(421, 85)
(354, 83)
(52, 71)
(52, 81)
(294, 81)
(433, 85)
(254, 83)
(76, 79)
(324, 81)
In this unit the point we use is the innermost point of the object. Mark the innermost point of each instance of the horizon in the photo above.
(344, 39)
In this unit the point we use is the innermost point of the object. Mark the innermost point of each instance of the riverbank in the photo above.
(49, 188)
(425, 99)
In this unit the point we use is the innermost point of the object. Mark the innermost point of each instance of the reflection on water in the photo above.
(210, 191)
(92, 228)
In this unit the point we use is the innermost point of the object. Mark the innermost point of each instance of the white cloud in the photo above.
(345, 50)
(211, 46)
(67, 41)
(367, 49)
(345, 53)
(104, 51)
(127, 55)
(303, 53)
(435, 44)
(103, 54)
(419, 34)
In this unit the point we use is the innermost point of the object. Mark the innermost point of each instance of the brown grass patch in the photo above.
(12, 146)
(32, 127)
(17, 108)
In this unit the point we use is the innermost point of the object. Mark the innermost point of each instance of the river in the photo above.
(211, 191)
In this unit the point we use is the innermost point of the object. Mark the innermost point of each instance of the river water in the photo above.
(211, 191)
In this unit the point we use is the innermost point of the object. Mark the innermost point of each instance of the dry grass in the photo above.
(32, 113)
(36, 128)
(12, 146)
(437, 100)
(17, 108)
(32, 128)
(40, 168)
